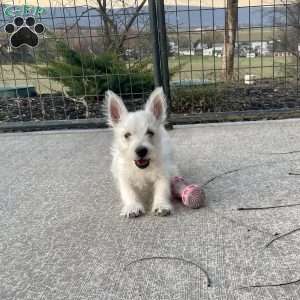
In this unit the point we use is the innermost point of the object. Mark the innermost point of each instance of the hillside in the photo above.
(184, 17)
(116, 3)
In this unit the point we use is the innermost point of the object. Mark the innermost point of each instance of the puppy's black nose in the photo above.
(141, 151)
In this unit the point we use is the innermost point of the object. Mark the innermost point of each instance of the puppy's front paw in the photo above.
(162, 210)
(133, 210)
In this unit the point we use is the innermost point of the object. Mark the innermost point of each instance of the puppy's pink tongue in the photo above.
(141, 162)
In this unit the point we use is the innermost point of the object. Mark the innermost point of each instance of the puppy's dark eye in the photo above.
(150, 133)
(127, 135)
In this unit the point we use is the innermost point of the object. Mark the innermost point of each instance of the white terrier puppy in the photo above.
(142, 164)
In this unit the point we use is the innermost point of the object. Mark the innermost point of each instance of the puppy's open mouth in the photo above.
(142, 163)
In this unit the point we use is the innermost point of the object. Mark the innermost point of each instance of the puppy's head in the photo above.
(138, 134)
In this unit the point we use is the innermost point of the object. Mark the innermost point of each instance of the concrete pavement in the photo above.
(61, 236)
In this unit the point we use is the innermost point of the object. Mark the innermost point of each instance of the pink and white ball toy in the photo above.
(191, 195)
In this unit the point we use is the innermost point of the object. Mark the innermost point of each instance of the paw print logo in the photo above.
(24, 32)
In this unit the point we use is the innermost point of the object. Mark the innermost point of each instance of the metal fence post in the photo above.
(160, 47)
(155, 42)
(163, 44)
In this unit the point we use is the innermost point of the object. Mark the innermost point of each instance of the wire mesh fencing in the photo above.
(57, 58)
(264, 41)
(86, 49)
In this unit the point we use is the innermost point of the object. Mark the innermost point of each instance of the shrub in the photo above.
(91, 75)
(203, 98)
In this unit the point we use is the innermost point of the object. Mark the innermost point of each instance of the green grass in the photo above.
(243, 35)
(198, 67)
(258, 34)
(20, 75)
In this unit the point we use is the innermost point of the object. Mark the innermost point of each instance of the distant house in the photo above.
(173, 48)
(186, 52)
(259, 44)
(261, 47)
(215, 51)
(208, 52)
(246, 49)
(251, 55)
(199, 47)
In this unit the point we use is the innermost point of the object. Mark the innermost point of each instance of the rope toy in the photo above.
(191, 195)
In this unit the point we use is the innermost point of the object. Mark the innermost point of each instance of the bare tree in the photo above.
(288, 23)
(231, 23)
(286, 38)
(116, 27)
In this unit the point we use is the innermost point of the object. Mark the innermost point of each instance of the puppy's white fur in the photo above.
(138, 187)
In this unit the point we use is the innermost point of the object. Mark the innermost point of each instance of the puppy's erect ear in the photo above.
(115, 108)
(157, 104)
